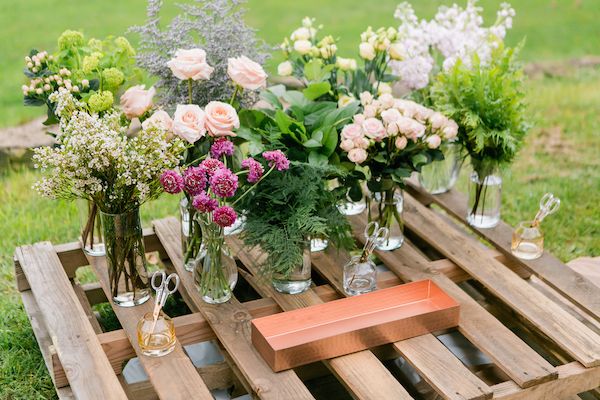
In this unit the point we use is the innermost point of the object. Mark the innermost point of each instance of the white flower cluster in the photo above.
(304, 42)
(455, 33)
(381, 40)
(50, 82)
(395, 122)
(94, 159)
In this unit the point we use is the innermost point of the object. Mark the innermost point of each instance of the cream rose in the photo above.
(345, 100)
(221, 119)
(361, 142)
(302, 46)
(357, 155)
(352, 131)
(384, 88)
(188, 122)
(136, 101)
(366, 51)
(386, 100)
(437, 120)
(246, 73)
(391, 115)
(401, 142)
(190, 64)
(370, 111)
(411, 128)
(374, 129)
(285, 68)
(396, 51)
(366, 98)
(347, 145)
(450, 130)
(433, 141)
(159, 119)
(346, 64)
(358, 118)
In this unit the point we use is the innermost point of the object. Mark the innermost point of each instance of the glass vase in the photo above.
(440, 176)
(351, 207)
(485, 197)
(298, 280)
(191, 235)
(125, 258)
(386, 208)
(216, 275)
(360, 276)
(91, 228)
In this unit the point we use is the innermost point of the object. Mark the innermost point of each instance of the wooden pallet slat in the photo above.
(230, 322)
(572, 335)
(361, 372)
(89, 372)
(573, 285)
(173, 376)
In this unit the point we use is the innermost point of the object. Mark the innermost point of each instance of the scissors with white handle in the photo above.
(162, 292)
(548, 205)
(375, 236)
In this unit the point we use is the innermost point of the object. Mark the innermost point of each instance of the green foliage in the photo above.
(487, 102)
(286, 209)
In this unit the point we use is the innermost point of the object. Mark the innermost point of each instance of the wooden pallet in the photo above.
(537, 321)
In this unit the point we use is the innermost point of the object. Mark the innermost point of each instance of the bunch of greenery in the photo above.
(284, 211)
(94, 71)
(488, 104)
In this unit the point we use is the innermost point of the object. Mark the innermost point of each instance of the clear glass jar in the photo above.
(91, 228)
(440, 176)
(351, 207)
(156, 339)
(237, 227)
(360, 276)
(386, 209)
(217, 275)
(191, 235)
(318, 244)
(298, 280)
(126, 258)
(527, 241)
(485, 198)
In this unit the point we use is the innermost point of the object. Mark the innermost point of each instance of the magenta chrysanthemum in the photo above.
(223, 182)
(204, 203)
(224, 216)
(211, 165)
(277, 158)
(171, 181)
(221, 147)
(255, 169)
(194, 179)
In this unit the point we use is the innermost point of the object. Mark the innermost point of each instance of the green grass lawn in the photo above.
(561, 153)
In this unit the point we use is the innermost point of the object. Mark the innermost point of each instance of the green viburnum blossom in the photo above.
(91, 62)
(125, 46)
(70, 39)
(112, 78)
(100, 101)
(95, 44)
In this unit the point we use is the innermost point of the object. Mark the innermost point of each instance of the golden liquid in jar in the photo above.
(527, 248)
(160, 341)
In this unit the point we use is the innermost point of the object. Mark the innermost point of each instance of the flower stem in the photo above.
(235, 92)
(253, 186)
(190, 99)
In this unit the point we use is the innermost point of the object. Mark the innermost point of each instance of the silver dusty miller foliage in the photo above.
(218, 27)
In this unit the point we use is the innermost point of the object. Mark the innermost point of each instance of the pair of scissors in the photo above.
(375, 236)
(162, 292)
(548, 205)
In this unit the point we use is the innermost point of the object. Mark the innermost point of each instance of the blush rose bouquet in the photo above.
(393, 138)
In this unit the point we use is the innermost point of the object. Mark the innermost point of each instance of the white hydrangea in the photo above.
(454, 33)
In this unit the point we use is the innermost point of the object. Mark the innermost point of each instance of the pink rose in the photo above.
(221, 119)
(190, 64)
(401, 142)
(370, 111)
(374, 129)
(136, 101)
(246, 73)
(386, 100)
(357, 155)
(359, 118)
(352, 131)
(410, 127)
(437, 120)
(450, 130)
(159, 119)
(188, 122)
(391, 115)
(362, 143)
(392, 129)
(347, 145)
(366, 98)
(433, 141)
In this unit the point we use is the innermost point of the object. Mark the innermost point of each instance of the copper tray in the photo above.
(293, 338)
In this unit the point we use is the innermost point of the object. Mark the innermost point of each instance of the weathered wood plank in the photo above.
(88, 370)
(508, 352)
(361, 373)
(548, 268)
(173, 376)
(435, 363)
(231, 323)
(572, 335)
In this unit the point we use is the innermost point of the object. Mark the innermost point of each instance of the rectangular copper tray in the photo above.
(293, 338)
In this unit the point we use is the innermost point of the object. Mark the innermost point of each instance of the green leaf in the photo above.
(312, 143)
(277, 90)
(295, 98)
(419, 159)
(330, 141)
(316, 90)
(313, 70)
(317, 136)
(271, 98)
(316, 158)
(400, 174)
(32, 101)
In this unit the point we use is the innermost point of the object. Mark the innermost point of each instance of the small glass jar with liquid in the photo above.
(527, 241)
(359, 276)
(156, 339)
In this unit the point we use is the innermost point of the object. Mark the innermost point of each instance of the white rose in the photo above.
(190, 64)
(391, 115)
(433, 141)
(366, 51)
(160, 119)
(302, 46)
(345, 100)
(346, 64)
(189, 122)
(246, 73)
(370, 111)
(136, 101)
(384, 88)
(386, 100)
(300, 34)
(396, 51)
(366, 98)
(285, 68)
